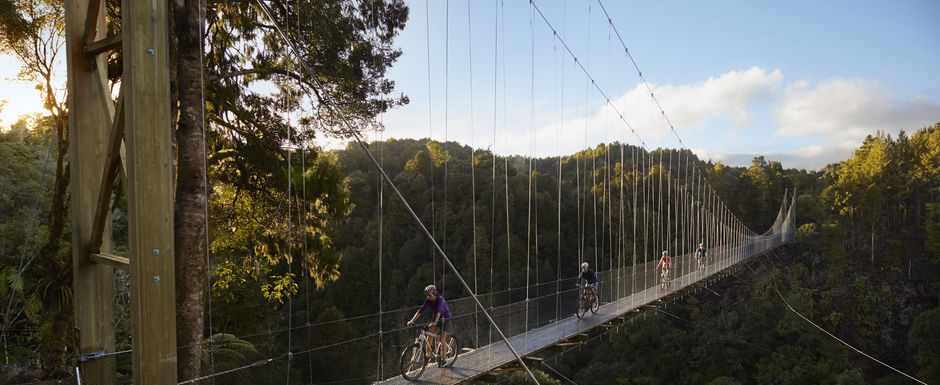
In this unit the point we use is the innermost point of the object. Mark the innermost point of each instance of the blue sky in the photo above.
(800, 82)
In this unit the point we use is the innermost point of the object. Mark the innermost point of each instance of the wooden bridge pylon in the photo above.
(132, 139)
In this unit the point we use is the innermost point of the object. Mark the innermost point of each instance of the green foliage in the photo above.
(925, 338)
(520, 377)
(724, 380)
(280, 288)
(227, 352)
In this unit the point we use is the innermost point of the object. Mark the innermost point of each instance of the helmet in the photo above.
(430, 289)
(584, 265)
(701, 244)
(665, 252)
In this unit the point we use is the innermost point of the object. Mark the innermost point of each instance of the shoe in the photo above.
(440, 363)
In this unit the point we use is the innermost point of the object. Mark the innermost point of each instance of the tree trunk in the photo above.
(190, 204)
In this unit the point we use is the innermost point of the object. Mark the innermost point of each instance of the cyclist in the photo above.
(700, 254)
(589, 277)
(441, 318)
(666, 263)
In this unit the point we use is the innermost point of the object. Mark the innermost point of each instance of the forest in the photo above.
(296, 236)
(863, 267)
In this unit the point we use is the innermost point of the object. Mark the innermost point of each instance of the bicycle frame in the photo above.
(426, 339)
(586, 292)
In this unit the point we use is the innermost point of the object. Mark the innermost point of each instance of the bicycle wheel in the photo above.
(594, 303)
(662, 281)
(412, 363)
(453, 349)
(581, 308)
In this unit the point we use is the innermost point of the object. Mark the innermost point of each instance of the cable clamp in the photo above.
(92, 356)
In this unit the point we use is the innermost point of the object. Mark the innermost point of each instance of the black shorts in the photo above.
(443, 324)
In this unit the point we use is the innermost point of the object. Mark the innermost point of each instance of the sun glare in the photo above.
(17, 98)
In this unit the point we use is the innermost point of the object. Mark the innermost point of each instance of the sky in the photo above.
(799, 82)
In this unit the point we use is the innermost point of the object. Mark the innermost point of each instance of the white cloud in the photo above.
(816, 124)
(689, 107)
(693, 106)
(848, 110)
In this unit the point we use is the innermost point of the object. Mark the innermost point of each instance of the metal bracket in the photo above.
(92, 356)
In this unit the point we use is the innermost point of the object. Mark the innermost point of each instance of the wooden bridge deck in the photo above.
(470, 365)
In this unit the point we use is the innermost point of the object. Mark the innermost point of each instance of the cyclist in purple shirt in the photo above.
(441, 318)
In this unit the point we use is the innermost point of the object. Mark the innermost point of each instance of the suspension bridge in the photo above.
(626, 290)
(668, 205)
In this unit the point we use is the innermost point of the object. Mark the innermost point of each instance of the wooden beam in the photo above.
(489, 377)
(91, 29)
(103, 208)
(109, 43)
(149, 191)
(93, 283)
(112, 260)
(92, 19)
(532, 362)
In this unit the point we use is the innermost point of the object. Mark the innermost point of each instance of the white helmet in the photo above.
(584, 265)
(665, 252)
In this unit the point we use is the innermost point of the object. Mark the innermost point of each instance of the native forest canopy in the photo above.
(296, 234)
(864, 265)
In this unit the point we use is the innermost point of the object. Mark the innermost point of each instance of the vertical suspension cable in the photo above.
(621, 238)
(661, 239)
(589, 150)
(668, 232)
(680, 243)
(303, 179)
(495, 115)
(506, 165)
(381, 234)
(531, 156)
(558, 139)
(634, 209)
(647, 161)
(444, 144)
(607, 193)
(687, 207)
(290, 242)
(381, 225)
(701, 215)
(473, 181)
(535, 182)
(427, 31)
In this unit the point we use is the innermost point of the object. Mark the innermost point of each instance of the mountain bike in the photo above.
(587, 300)
(415, 357)
(701, 264)
(664, 278)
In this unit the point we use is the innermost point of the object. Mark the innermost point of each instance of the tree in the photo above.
(925, 338)
(33, 32)
(190, 204)
(348, 48)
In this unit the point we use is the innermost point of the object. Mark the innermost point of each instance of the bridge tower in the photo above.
(130, 140)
